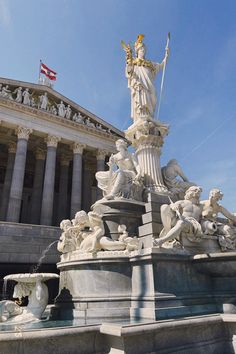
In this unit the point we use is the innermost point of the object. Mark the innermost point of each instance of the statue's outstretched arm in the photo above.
(227, 214)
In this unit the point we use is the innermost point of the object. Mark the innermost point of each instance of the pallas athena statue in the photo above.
(141, 74)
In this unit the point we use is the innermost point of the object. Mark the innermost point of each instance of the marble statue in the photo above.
(91, 238)
(67, 241)
(28, 285)
(53, 110)
(80, 224)
(71, 237)
(6, 93)
(222, 227)
(9, 309)
(99, 127)
(131, 243)
(89, 123)
(141, 74)
(37, 296)
(26, 97)
(61, 109)
(126, 180)
(18, 92)
(78, 118)
(68, 112)
(86, 234)
(43, 101)
(33, 103)
(182, 218)
(81, 220)
(170, 172)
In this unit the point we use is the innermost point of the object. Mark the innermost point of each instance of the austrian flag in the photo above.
(48, 72)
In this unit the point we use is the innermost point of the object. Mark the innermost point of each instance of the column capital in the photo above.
(23, 132)
(78, 148)
(52, 140)
(64, 160)
(40, 154)
(12, 147)
(101, 154)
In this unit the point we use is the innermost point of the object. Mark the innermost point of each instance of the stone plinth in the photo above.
(120, 212)
(94, 289)
(147, 137)
(151, 219)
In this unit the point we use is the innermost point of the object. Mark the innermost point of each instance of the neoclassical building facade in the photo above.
(50, 150)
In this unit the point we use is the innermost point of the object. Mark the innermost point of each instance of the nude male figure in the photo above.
(182, 216)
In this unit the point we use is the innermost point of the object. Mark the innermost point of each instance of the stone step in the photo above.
(155, 207)
(151, 217)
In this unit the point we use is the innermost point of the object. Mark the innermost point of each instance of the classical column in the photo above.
(37, 187)
(147, 138)
(101, 155)
(13, 213)
(87, 186)
(63, 188)
(49, 181)
(7, 180)
(76, 192)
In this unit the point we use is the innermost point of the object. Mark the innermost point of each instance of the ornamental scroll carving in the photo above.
(52, 140)
(23, 133)
(78, 148)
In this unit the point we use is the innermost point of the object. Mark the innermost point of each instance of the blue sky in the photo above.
(81, 41)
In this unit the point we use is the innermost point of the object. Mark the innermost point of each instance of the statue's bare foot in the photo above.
(158, 242)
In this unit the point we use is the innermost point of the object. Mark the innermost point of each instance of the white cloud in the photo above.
(5, 15)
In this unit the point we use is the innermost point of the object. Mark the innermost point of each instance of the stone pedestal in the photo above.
(120, 212)
(91, 289)
(147, 137)
(151, 219)
(144, 285)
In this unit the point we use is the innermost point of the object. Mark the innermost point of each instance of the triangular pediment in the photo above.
(47, 100)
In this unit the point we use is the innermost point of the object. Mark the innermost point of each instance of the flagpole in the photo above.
(40, 62)
(163, 76)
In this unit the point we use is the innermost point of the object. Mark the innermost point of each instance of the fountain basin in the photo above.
(216, 264)
(31, 277)
(29, 285)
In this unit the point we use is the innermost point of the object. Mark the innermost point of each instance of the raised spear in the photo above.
(163, 75)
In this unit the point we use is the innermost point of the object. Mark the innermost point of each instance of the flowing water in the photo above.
(4, 290)
(43, 255)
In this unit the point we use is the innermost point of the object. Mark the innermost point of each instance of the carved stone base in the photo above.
(120, 212)
(96, 289)
(150, 285)
(147, 137)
